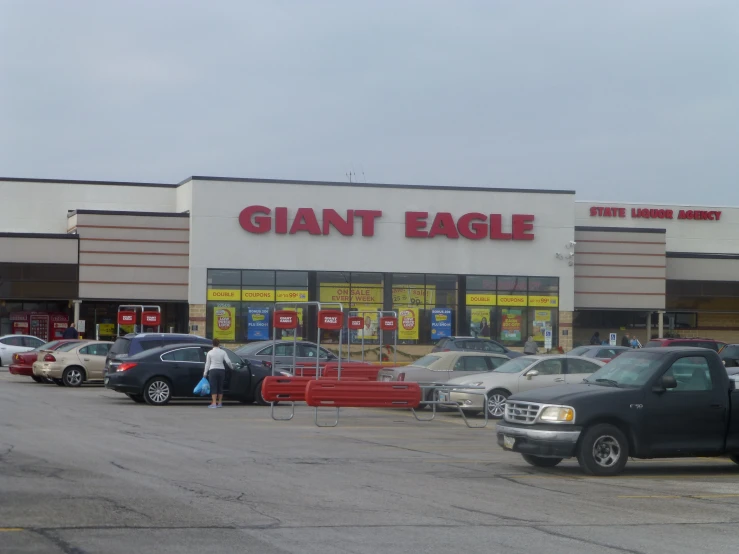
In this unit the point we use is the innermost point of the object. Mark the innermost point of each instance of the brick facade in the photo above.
(197, 319)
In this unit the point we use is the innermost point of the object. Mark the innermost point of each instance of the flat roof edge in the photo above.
(91, 182)
(132, 213)
(702, 255)
(621, 229)
(39, 235)
(373, 185)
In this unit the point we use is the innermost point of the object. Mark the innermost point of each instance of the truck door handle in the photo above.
(559, 380)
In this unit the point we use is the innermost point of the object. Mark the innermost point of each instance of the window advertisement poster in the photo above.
(441, 323)
(408, 324)
(257, 324)
(224, 323)
(414, 295)
(480, 322)
(356, 294)
(371, 323)
(288, 334)
(542, 322)
(510, 325)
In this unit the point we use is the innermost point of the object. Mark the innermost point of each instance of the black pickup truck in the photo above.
(648, 403)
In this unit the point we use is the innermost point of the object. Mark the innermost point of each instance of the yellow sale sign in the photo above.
(408, 324)
(224, 324)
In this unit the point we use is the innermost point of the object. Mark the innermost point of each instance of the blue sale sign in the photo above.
(441, 323)
(257, 324)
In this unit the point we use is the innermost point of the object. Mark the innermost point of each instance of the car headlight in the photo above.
(475, 384)
(558, 414)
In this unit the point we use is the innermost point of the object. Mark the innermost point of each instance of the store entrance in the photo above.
(101, 318)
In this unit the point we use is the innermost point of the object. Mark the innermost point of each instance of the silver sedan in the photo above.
(439, 367)
(518, 375)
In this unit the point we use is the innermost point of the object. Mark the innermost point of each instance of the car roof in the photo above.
(167, 348)
(465, 353)
(164, 335)
(31, 336)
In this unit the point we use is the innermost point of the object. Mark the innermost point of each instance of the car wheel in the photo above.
(495, 404)
(58, 382)
(38, 379)
(603, 451)
(138, 398)
(258, 398)
(158, 392)
(73, 376)
(538, 461)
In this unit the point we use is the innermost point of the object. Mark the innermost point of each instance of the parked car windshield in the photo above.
(579, 351)
(515, 365)
(47, 346)
(67, 347)
(630, 369)
(426, 361)
(121, 346)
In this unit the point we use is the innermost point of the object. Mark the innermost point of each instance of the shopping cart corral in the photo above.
(440, 393)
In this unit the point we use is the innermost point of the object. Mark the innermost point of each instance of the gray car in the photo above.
(518, 375)
(599, 352)
(306, 353)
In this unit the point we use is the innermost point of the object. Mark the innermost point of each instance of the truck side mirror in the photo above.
(532, 373)
(667, 382)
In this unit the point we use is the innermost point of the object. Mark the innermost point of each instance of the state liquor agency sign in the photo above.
(421, 225)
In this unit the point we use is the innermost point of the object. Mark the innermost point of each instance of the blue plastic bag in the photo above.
(202, 388)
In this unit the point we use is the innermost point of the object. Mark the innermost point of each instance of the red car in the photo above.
(711, 344)
(22, 363)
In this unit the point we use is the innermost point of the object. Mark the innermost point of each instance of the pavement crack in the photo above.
(520, 483)
(55, 539)
(483, 512)
(586, 541)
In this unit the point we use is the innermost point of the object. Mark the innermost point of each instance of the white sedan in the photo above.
(12, 344)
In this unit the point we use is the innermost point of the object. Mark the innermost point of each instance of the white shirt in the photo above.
(216, 359)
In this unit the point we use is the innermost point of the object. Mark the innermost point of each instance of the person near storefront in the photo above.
(215, 371)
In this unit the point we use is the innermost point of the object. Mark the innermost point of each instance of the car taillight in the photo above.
(49, 358)
(446, 350)
(267, 364)
(401, 376)
(125, 366)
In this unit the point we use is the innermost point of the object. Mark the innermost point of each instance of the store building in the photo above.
(215, 255)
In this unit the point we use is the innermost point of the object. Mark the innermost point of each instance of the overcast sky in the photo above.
(619, 100)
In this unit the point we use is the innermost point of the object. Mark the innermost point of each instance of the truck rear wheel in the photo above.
(603, 451)
(538, 461)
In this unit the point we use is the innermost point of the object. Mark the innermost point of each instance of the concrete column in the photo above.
(661, 324)
(649, 328)
(77, 312)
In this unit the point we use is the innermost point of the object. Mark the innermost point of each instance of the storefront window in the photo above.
(426, 306)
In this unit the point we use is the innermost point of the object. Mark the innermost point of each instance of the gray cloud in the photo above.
(620, 101)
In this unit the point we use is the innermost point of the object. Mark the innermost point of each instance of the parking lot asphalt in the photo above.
(86, 471)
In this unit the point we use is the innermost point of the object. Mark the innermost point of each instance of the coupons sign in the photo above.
(388, 323)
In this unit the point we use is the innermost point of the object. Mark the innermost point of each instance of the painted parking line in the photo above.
(688, 496)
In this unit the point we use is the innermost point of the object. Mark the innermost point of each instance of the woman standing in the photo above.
(215, 371)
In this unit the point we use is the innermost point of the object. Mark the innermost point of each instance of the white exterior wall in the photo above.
(683, 235)
(41, 207)
(218, 241)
